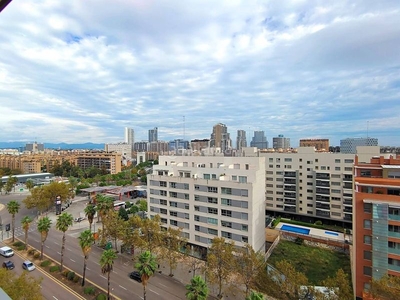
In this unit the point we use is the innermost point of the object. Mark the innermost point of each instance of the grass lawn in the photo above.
(316, 263)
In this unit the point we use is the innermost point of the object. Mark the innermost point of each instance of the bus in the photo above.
(118, 205)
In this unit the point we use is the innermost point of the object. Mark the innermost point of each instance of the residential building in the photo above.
(376, 222)
(178, 146)
(129, 136)
(124, 149)
(34, 147)
(210, 197)
(259, 140)
(319, 144)
(241, 139)
(280, 142)
(220, 138)
(153, 135)
(350, 145)
(142, 146)
(161, 147)
(111, 162)
(199, 145)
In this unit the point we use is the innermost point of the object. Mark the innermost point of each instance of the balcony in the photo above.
(290, 195)
(322, 191)
(394, 234)
(290, 201)
(289, 188)
(289, 174)
(322, 213)
(348, 178)
(347, 195)
(322, 198)
(394, 217)
(348, 210)
(323, 176)
(348, 186)
(289, 181)
(322, 183)
(347, 202)
(323, 206)
(394, 251)
(290, 208)
(348, 217)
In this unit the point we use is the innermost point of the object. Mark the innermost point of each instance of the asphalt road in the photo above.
(51, 289)
(159, 286)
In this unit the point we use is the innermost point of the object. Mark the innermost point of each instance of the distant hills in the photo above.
(64, 146)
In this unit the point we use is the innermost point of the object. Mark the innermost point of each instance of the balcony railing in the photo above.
(348, 186)
(290, 201)
(348, 179)
(348, 209)
(289, 181)
(322, 191)
(348, 218)
(289, 188)
(322, 198)
(322, 183)
(323, 176)
(322, 213)
(289, 174)
(347, 202)
(290, 195)
(323, 206)
(290, 208)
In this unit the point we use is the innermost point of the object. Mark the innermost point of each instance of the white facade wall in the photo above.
(122, 148)
(211, 196)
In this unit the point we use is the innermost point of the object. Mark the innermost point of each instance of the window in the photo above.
(245, 227)
(243, 179)
(367, 224)
(367, 271)
(394, 211)
(212, 210)
(173, 213)
(244, 193)
(206, 176)
(212, 221)
(196, 198)
(173, 222)
(335, 183)
(212, 200)
(186, 206)
(348, 168)
(227, 202)
(348, 161)
(212, 231)
(367, 239)
(164, 221)
(163, 211)
(163, 202)
(234, 178)
(288, 159)
(367, 208)
(173, 204)
(244, 216)
(186, 196)
(244, 204)
(227, 191)
(226, 224)
(186, 216)
(196, 187)
(337, 161)
(271, 159)
(245, 239)
(212, 189)
(226, 213)
(172, 185)
(163, 193)
(197, 218)
(367, 255)
(335, 191)
(163, 183)
(173, 194)
(197, 227)
(226, 235)
(197, 208)
(186, 186)
(213, 176)
(337, 168)
(246, 166)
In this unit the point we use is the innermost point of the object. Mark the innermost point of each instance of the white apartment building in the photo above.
(121, 148)
(211, 197)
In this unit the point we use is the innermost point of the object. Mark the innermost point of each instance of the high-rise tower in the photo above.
(129, 136)
(153, 135)
(220, 137)
(259, 140)
(241, 139)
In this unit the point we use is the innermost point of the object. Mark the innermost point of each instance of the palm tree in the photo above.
(13, 208)
(26, 223)
(64, 221)
(90, 212)
(29, 184)
(197, 289)
(43, 226)
(255, 296)
(103, 205)
(146, 266)
(86, 241)
(106, 263)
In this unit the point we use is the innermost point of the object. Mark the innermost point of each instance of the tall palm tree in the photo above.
(255, 296)
(64, 221)
(13, 209)
(43, 226)
(103, 205)
(26, 223)
(146, 265)
(197, 289)
(90, 212)
(106, 263)
(86, 241)
(29, 184)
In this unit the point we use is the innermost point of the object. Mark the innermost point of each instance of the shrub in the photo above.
(299, 241)
(76, 279)
(31, 251)
(319, 223)
(65, 273)
(18, 244)
(101, 297)
(36, 255)
(20, 248)
(71, 275)
(89, 290)
(54, 269)
(45, 263)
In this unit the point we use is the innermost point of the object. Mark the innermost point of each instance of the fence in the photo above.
(274, 244)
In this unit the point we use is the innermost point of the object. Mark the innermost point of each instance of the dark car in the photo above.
(135, 275)
(9, 265)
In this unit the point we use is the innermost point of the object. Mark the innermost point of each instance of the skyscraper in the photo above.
(129, 136)
(350, 145)
(259, 140)
(281, 142)
(153, 135)
(220, 137)
(241, 139)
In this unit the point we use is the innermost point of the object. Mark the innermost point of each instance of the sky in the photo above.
(80, 71)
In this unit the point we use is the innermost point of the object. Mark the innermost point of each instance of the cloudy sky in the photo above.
(80, 71)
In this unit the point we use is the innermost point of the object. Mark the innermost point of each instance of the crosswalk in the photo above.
(19, 231)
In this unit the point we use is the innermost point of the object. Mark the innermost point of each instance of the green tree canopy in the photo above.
(146, 265)
(13, 208)
(197, 289)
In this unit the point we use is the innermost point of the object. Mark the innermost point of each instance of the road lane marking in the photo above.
(97, 263)
(115, 272)
(122, 287)
(56, 243)
(47, 246)
(37, 241)
(69, 249)
(72, 260)
(55, 298)
(154, 292)
(87, 268)
(103, 277)
(59, 253)
(162, 285)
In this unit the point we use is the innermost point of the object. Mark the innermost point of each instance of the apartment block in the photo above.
(124, 149)
(319, 144)
(376, 223)
(350, 145)
(310, 185)
(211, 197)
(111, 162)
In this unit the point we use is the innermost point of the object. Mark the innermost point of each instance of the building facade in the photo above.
(34, 147)
(280, 142)
(153, 135)
(376, 223)
(142, 146)
(160, 147)
(210, 197)
(199, 145)
(319, 144)
(259, 140)
(220, 138)
(241, 139)
(122, 148)
(178, 146)
(129, 137)
(350, 145)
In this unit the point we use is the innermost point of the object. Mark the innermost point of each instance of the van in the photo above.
(6, 251)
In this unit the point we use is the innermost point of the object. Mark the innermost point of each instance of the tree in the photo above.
(249, 265)
(123, 214)
(106, 263)
(173, 243)
(64, 221)
(142, 204)
(1, 187)
(86, 241)
(339, 286)
(255, 296)
(197, 289)
(13, 208)
(26, 223)
(385, 288)
(113, 226)
(194, 263)
(36, 199)
(220, 260)
(146, 267)
(90, 212)
(43, 226)
(151, 235)
(104, 204)
(29, 184)
(20, 286)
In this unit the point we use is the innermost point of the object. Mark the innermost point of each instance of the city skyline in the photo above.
(78, 71)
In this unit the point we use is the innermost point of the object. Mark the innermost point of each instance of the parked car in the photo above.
(9, 265)
(6, 251)
(79, 219)
(28, 265)
(135, 275)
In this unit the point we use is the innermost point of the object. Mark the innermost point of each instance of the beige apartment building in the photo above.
(211, 197)
(319, 144)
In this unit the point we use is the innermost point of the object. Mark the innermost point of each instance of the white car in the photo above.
(29, 266)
